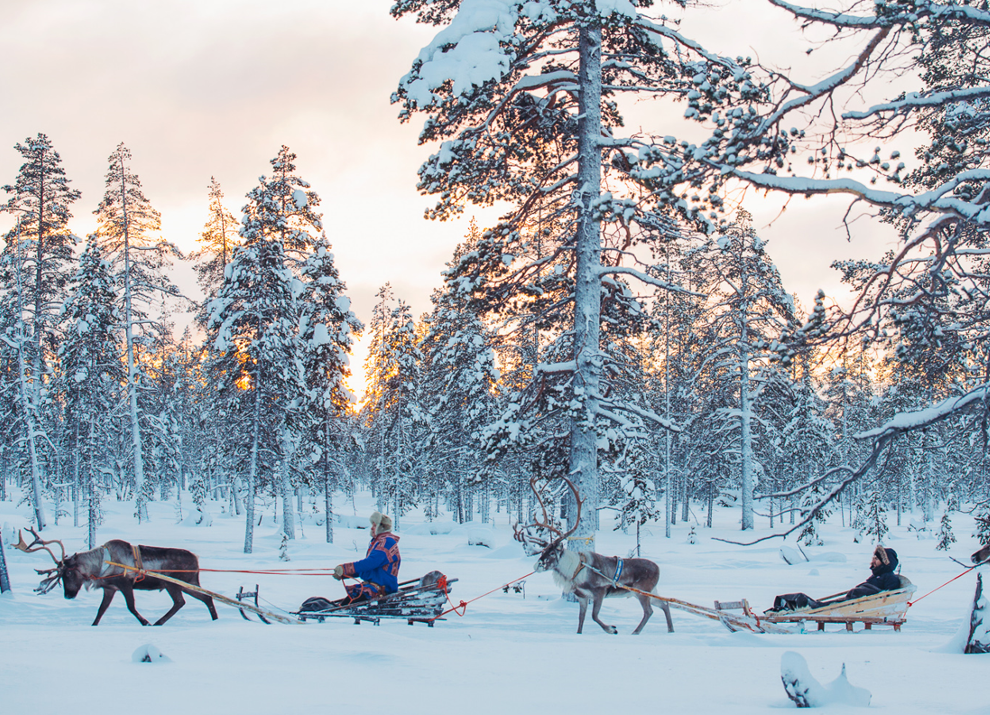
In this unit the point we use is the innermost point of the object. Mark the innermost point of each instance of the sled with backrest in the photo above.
(419, 600)
(887, 608)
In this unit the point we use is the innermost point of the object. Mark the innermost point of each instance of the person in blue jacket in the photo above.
(379, 569)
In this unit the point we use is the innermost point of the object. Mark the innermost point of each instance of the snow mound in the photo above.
(198, 518)
(431, 528)
(149, 654)
(477, 534)
(807, 692)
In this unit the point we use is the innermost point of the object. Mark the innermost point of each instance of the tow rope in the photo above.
(911, 603)
(442, 583)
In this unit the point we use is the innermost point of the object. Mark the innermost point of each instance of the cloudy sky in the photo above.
(201, 88)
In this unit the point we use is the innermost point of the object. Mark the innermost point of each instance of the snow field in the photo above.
(509, 654)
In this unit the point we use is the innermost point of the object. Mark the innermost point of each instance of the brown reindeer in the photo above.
(591, 576)
(982, 555)
(96, 569)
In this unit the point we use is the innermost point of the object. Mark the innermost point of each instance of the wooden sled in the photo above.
(414, 602)
(888, 608)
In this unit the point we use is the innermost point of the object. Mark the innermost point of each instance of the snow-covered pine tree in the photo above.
(875, 517)
(257, 362)
(217, 241)
(536, 123)
(36, 264)
(24, 393)
(127, 224)
(392, 413)
(459, 372)
(41, 200)
(746, 310)
(91, 376)
(327, 327)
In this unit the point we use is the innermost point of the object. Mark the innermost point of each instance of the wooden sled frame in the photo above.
(412, 602)
(888, 608)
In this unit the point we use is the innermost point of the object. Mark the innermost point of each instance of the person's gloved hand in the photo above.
(338, 571)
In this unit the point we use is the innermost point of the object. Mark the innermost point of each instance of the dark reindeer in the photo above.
(94, 569)
(982, 555)
(591, 576)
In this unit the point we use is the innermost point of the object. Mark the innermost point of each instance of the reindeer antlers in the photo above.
(523, 534)
(53, 575)
(38, 544)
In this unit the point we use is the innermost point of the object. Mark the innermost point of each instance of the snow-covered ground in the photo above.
(510, 653)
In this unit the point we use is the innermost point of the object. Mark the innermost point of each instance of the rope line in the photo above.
(464, 604)
(911, 603)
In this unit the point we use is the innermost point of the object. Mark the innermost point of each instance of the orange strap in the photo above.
(138, 564)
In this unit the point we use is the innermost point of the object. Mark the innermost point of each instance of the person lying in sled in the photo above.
(882, 565)
(379, 569)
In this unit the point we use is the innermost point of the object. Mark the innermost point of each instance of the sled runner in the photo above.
(887, 608)
(421, 600)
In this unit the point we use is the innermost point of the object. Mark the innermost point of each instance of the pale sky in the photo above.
(201, 88)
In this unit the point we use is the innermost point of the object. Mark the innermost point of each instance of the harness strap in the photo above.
(138, 564)
(618, 572)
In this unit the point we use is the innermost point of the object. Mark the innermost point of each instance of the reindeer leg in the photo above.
(644, 601)
(596, 607)
(666, 612)
(108, 594)
(129, 598)
(177, 602)
(208, 600)
(583, 606)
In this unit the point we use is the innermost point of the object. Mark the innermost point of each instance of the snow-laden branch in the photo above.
(882, 437)
(641, 412)
(646, 278)
(939, 199)
(919, 11)
(916, 100)
(909, 421)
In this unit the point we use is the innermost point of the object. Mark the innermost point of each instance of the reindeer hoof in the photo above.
(613, 630)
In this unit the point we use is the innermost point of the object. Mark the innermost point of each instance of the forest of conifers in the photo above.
(623, 325)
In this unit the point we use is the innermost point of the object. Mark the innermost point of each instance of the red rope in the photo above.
(911, 603)
(442, 583)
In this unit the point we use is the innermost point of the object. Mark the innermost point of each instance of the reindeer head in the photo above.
(533, 536)
(51, 576)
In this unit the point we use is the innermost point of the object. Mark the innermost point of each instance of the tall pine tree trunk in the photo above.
(285, 489)
(137, 454)
(583, 467)
(252, 478)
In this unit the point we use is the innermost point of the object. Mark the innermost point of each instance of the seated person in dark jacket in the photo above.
(882, 565)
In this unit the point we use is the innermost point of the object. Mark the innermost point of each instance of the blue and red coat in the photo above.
(379, 568)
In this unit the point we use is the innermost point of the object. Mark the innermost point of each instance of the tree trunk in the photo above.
(252, 478)
(136, 453)
(285, 487)
(4, 577)
(583, 461)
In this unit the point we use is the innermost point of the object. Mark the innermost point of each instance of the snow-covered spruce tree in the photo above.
(25, 395)
(746, 310)
(459, 370)
(392, 413)
(522, 97)
(40, 199)
(127, 223)
(326, 330)
(875, 516)
(217, 242)
(36, 264)
(91, 375)
(257, 361)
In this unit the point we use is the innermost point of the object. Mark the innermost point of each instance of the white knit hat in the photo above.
(380, 521)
